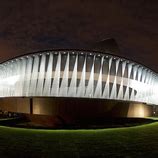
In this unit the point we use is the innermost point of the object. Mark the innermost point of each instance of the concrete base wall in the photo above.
(19, 105)
(74, 109)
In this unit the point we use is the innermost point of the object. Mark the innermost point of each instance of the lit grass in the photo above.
(138, 141)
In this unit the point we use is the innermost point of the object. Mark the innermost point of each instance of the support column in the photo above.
(31, 105)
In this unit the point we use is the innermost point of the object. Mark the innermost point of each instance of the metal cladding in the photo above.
(82, 74)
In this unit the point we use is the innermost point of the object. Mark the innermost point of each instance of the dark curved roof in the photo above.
(106, 46)
(109, 45)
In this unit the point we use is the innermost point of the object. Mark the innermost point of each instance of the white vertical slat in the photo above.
(55, 85)
(139, 95)
(114, 91)
(41, 76)
(90, 87)
(17, 90)
(28, 76)
(127, 97)
(34, 76)
(22, 77)
(98, 90)
(48, 76)
(135, 68)
(120, 93)
(73, 83)
(64, 83)
(143, 81)
(106, 93)
(81, 87)
(148, 86)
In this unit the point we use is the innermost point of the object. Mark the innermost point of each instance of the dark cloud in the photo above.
(27, 26)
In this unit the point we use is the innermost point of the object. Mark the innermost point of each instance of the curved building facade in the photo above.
(75, 84)
(80, 74)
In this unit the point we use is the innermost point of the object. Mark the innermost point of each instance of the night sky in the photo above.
(28, 26)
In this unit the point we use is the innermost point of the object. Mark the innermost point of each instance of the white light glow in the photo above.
(10, 81)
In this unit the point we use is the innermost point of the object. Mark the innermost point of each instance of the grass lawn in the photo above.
(138, 141)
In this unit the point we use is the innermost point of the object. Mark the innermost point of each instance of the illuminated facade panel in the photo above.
(82, 74)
